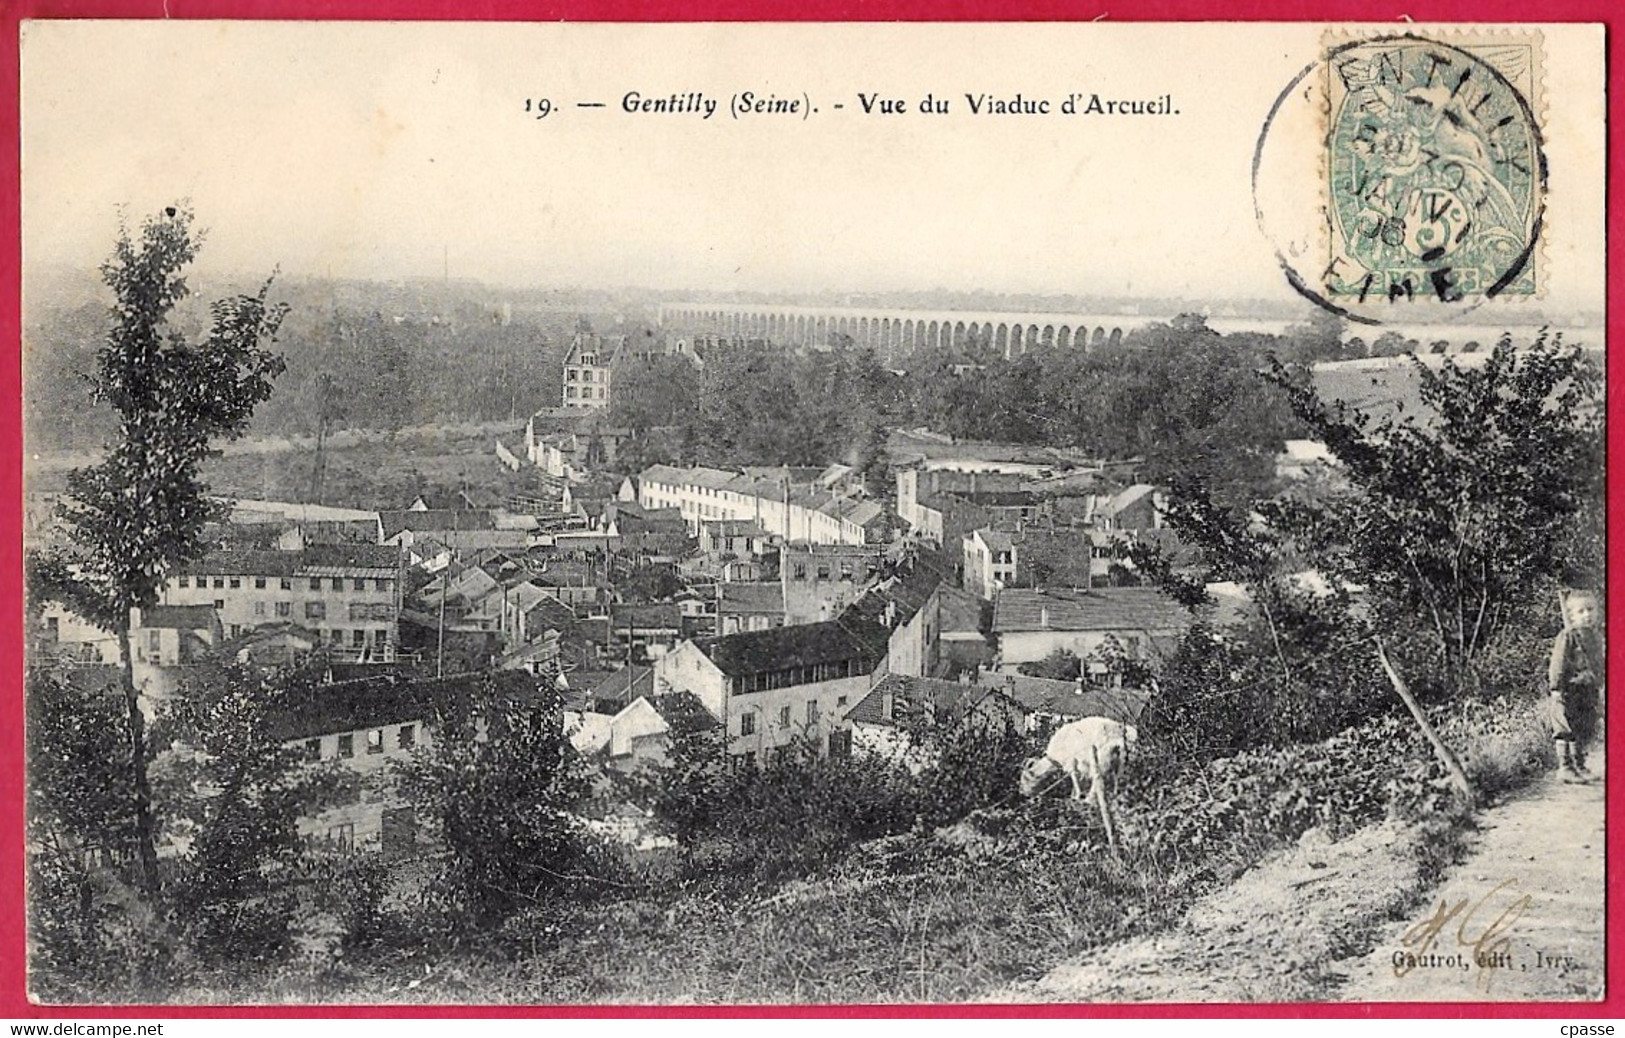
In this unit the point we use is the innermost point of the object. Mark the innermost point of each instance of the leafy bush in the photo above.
(802, 811)
(498, 787)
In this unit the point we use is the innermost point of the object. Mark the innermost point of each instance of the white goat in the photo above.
(1093, 748)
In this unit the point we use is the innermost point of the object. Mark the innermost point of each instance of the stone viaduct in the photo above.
(896, 333)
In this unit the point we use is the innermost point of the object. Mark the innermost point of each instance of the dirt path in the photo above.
(1528, 916)
(1324, 921)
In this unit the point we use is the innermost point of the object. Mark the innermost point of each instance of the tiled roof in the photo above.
(996, 540)
(738, 597)
(553, 613)
(1129, 497)
(948, 701)
(802, 645)
(1102, 609)
(906, 594)
(666, 474)
(179, 617)
(388, 700)
(653, 615)
(319, 560)
(995, 498)
(438, 520)
(862, 513)
(961, 611)
(1066, 699)
(470, 584)
(247, 508)
(625, 685)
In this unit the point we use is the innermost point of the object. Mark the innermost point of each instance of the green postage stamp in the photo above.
(1435, 174)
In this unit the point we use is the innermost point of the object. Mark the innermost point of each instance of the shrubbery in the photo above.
(803, 810)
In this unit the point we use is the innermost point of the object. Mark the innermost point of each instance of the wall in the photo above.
(254, 602)
(913, 648)
(701, 503)
(819, 584)
(687, 669)
(1031, 646)
(833, 699)
(365, 815)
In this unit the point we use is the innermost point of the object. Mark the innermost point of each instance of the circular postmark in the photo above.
(1403, 178)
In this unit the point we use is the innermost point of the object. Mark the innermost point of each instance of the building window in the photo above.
(236, 582)
(823, 571)
(347, 745)
(840, 701)
(358, 584)
(570, 374)
(284, 609)
(259, 582)
(220, 603)
(586, 376)
(219, 581)
(801, 571)
(840, 742)
(236, 630)
(183, 582)
(335, 636)
(342, 836)
(337, 583)
(784, 717)
(287, 584)
(313, 749)
(747, 724)
(155, 642)
(812, 711)
(315, 610)
(359, 638)
(380, 585)
(408, 736)
(846, 571)
(315, 583)
(259, 608)
(375, 740)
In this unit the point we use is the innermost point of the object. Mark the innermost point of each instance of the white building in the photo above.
(790, 512)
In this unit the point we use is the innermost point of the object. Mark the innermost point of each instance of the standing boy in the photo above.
(1575, 679)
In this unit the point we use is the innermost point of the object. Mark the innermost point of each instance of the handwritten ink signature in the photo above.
(1490, 946)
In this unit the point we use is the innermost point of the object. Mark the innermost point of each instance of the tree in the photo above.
(78, 817)
(141, 511)
(236, 793)
(1060, 665)
(498, 785)
(1456, 514)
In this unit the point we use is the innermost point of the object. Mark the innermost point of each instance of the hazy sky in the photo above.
(387, 150)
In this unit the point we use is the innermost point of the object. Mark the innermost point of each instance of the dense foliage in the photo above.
(1181, 397)
(1458, 514)
(232, 795)
(498, 787)
(139, 512)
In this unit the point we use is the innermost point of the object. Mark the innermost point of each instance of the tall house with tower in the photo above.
(587, 369)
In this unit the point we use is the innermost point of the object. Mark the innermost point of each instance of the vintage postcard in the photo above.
(811, 514)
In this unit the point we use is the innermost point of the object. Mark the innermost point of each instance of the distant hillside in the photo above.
(372, 355)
